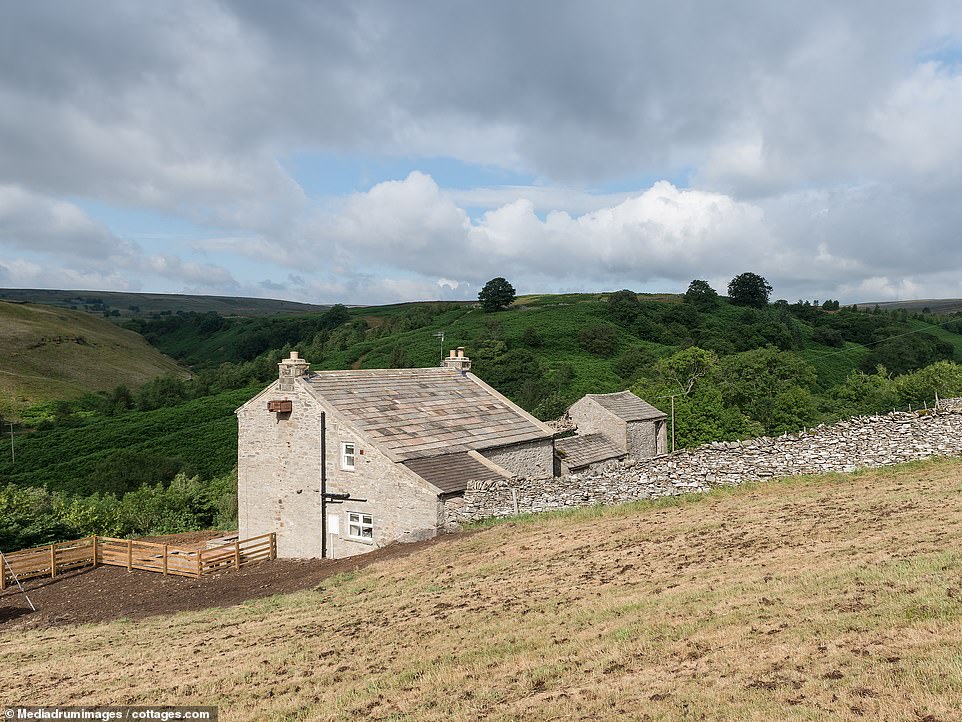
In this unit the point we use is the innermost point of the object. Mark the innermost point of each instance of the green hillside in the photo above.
(735, 371)
(51, 353)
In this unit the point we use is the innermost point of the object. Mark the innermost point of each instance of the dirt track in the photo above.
(105, 593)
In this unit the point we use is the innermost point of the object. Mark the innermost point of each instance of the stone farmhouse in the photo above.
(393, 446)
(340, 462)
(611, 427)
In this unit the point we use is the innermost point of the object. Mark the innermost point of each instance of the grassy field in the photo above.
(51, 353)
(831, 598)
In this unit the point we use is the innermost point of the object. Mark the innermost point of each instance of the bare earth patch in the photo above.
(106, 593)
(837, 598)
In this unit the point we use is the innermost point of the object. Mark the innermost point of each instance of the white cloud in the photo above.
(34, 223)
(824, 152)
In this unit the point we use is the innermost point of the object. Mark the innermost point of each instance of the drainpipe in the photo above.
(323, 485)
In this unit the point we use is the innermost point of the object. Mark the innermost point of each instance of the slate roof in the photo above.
(452, 472)
(628, 407)
(579, 451)
(413, 413)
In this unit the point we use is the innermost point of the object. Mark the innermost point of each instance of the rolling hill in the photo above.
(934, 305)
(544, 352)
(828, 598)
(53, 353)
(142, 305)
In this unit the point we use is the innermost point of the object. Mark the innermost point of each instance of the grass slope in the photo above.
(557, 324)
(150, 303)
(830, 598)
(51, 353)
(935, 305)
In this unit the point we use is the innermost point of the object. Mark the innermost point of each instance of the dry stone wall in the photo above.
(861, 442)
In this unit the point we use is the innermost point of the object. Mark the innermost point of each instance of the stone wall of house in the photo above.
(278, 481)
(591, 417)
(403, 507)
(856, 443)
(278, 471)
(643, 439)
(533, 459)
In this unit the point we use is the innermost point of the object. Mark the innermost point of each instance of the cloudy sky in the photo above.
(369, 152)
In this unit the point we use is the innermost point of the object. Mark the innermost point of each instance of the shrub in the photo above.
(599, 340)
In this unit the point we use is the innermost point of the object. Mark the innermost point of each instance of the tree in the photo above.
(749, 289)
(496, 295)
(624, 307)
(682, 370)
(701, 295)
(753, 381)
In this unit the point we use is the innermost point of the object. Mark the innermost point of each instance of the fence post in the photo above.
(165, 560)
(130, 554)
(96, 556)
(53, 561)
(237, 554)
(200, 564)
(273, 545)
(3, 572)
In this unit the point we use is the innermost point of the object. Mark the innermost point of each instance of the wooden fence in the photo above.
(94, 551)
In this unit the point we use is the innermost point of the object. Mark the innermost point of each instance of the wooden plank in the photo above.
(262, 554)
(53, 561)
(130, 555)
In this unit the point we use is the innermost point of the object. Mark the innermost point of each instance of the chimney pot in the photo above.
(457, 360)
(290, 369)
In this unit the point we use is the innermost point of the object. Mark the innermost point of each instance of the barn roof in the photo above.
(453, 472)
(580, 451)
(413, 413)
(628, 407)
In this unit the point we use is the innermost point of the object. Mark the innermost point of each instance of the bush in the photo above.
(942, 379)
(701, 295)
(531, 338)
(599, 340)
(633, 363)
(623, 307)
(828, 337)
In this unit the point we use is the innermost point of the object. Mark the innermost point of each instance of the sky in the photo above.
(374, 152)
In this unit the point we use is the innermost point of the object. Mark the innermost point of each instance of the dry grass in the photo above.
(42, 359)
(813, 599)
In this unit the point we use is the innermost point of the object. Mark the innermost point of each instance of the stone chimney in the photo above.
(457, 360)
(290, 369)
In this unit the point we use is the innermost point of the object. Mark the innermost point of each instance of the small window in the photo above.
(360, 526)
(347, 456)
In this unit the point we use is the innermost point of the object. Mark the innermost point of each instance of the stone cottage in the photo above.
(611, 427)
(396, 446)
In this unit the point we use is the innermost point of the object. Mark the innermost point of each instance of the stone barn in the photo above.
(399, 445)
(612, 427)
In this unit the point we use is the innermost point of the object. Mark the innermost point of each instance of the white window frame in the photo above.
(360, 527)
(346, 456)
